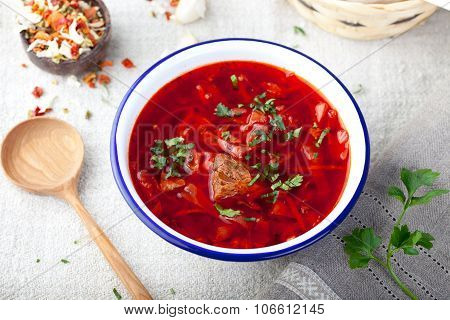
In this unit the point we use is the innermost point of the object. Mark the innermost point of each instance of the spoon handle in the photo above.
(126, 275)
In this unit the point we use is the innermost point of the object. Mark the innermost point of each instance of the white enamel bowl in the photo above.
(204, 53)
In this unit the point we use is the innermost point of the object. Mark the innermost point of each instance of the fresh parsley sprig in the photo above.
(361, 244)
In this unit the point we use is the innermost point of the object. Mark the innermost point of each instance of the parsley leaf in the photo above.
(402, 238)
(230, 213)
(427, 197)
(413, 180)
(65, 261)
(360, 247)
(223, 111)
(397, 193)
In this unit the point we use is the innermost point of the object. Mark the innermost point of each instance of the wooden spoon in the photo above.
(44, 156)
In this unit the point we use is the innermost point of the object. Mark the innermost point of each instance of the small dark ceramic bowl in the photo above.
(85, 61)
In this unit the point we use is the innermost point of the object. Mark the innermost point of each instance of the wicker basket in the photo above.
(365, 19)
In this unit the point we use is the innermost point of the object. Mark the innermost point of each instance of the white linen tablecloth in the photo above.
(399, 77)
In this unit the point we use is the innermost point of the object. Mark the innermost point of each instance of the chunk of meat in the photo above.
(228, 177)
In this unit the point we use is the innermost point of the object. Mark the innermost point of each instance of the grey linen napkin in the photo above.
(321, 271)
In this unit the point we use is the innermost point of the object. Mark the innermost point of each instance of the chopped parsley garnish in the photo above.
(117, 294)
(172, 156)
(255, 178)
(265, 107)
(174, 141)
(172, 291)
(276, 185)
(234, 81)
(270, 171)
(293, 134)
(273, 195)
(88, 115)
(230, 213)
(38, 260)
(65, 261)
(293, 182)
(315, 155)
(247, 157)
(250, 219)
(256, 166)
(159, 161)
(277, 122)
(223, 111)
(261, 137)
(226, 135)
(299, 30)
(322, 136)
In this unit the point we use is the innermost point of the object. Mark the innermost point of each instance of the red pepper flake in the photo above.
(106, 63)
(75, 50)
(168, 15)
(37, 92)
(38, 112)
(90, 79)
(104, 79)
(24, 65)
(127, 63)
(174, 3)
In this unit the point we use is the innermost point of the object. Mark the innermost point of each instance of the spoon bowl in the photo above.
(44, 156)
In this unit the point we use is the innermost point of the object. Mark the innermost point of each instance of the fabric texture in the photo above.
(423, 144)
(398, 78)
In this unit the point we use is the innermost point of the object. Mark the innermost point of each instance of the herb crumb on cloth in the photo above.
(299, 30)
(117, 294)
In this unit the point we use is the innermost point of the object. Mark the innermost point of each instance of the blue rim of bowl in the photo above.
(225, 255)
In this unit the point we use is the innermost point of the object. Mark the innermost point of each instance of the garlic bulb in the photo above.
(190, 10)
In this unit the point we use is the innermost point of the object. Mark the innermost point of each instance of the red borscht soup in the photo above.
(239, 154)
